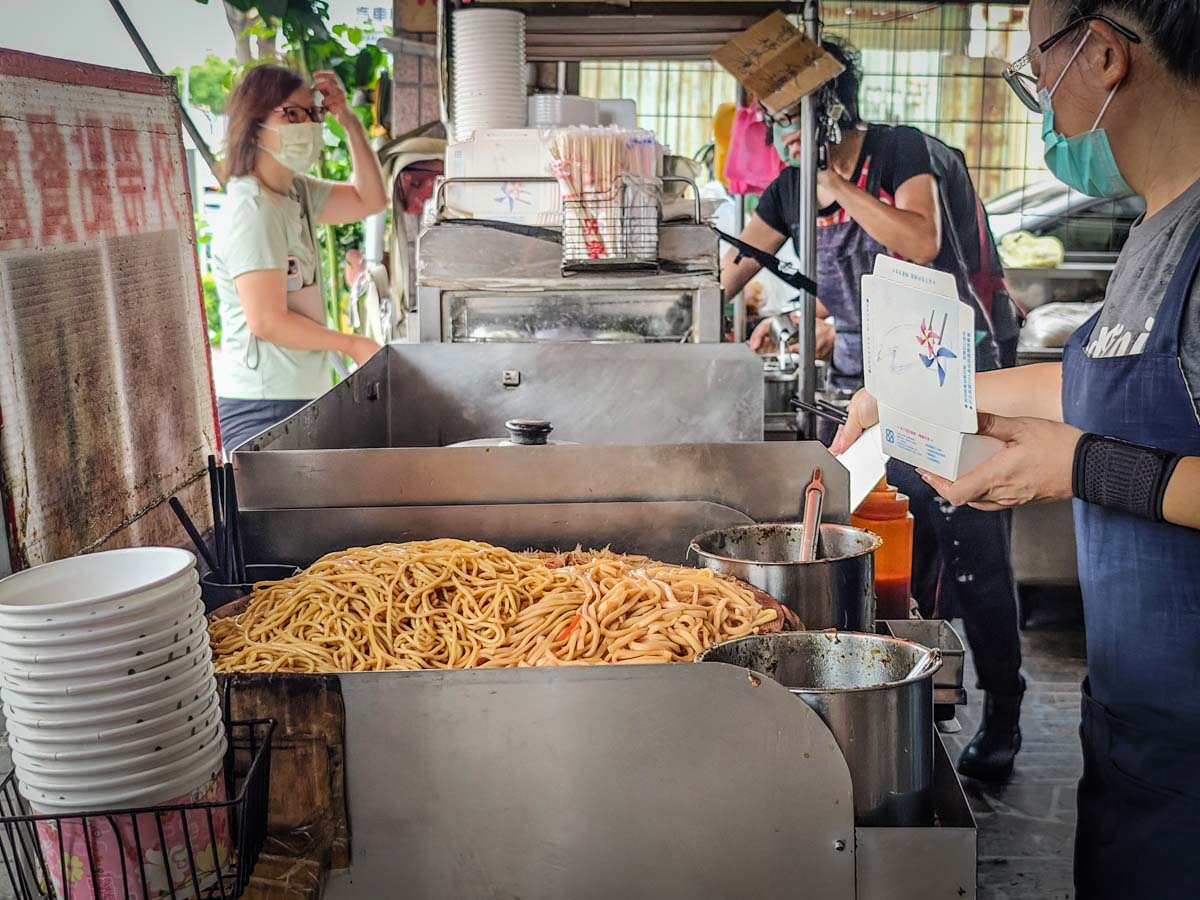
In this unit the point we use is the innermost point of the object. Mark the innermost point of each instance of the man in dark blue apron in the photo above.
(881, 194)
(1118, 86)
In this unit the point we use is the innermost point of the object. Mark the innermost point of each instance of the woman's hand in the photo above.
(333, 96)
(360, 348)
(862, 414)
(1034, 466)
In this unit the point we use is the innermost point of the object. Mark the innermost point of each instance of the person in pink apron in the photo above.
(1116, 426)
(880, 194)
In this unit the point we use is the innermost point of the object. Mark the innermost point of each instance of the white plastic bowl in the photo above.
(178, 687)
(131, 691)
(106, 683)
(116, 763)
(176, 642)
(79, 741)
(93, 580)
(38, 739)
(78, 775)
(59, 802)
(130, 714)
(23, 643)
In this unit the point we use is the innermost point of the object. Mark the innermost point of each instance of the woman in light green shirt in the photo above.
(266, 260)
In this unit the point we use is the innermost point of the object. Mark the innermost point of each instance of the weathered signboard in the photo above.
(106, 406)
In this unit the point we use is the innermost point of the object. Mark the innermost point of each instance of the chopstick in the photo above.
(188, 526)
(214, 490)
(236, 563)
(831, 413)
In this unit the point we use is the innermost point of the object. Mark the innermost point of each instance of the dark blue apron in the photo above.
(1138, 832)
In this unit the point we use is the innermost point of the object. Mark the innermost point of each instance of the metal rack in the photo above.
(247, 771)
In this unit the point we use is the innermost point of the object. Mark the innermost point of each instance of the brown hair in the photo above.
(261, 90)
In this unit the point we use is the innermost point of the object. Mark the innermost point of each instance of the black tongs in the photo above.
(785, 272)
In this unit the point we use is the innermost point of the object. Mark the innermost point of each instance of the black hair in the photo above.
(846, 84)
(1171, 27)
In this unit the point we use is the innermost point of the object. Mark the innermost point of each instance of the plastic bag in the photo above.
(752, 163)
(1022, 250)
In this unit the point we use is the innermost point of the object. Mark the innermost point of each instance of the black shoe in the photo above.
(993, 750)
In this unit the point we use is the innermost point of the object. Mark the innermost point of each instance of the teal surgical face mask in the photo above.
(778, 133)
(1084, 162)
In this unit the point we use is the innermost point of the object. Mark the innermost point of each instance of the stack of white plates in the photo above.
(107, 682)
(489, 70)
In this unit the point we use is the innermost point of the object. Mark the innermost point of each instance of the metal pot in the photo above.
(779, 387)
(881, 719)
(837, 590)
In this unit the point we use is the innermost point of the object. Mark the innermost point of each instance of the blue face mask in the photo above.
(1084, 162)
(778, 133)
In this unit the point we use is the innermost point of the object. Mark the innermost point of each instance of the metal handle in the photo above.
(925, 664)
(439, 193)
(683, 179)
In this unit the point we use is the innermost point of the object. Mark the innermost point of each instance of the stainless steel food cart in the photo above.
(689, 781)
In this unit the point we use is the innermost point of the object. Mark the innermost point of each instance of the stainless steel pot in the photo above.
(779, 387)
(881, 719)
(837, 590)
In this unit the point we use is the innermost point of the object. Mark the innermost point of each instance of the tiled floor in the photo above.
(1026, 827)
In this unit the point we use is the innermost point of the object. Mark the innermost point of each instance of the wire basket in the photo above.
(612, 229)
(198, 851)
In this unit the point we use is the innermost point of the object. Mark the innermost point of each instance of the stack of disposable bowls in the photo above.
(107, 682)
(562, 110)
(489, 70)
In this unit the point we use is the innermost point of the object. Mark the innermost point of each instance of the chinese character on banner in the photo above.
(362, 11)
(380, 13)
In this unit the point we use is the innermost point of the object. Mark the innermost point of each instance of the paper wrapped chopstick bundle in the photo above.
(611, 187)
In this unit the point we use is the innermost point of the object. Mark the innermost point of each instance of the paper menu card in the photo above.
(919, 363)
(866, 464)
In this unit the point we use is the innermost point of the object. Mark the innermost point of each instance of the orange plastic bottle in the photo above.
(885, 513)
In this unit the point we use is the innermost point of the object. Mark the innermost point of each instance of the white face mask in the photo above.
(300, 144)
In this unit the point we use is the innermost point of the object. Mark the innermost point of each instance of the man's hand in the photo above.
(761, 340)
(1034, 466)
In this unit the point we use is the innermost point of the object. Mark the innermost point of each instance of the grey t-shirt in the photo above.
(1140, 280)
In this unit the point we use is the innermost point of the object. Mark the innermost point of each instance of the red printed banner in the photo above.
(105, 396)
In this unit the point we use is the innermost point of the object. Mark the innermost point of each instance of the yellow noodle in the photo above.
(447, 604)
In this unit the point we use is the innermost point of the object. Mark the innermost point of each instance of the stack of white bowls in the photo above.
(562, 110)
(489, 70)
(106, 676)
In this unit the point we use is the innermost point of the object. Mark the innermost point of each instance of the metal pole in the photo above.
(188, 124)
(806, 235)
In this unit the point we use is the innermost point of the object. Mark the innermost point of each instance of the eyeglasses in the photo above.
(784, 119)
(1019, 76)
(300, 114)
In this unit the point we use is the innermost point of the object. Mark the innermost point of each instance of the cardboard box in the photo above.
(919, 363)
(775, 62)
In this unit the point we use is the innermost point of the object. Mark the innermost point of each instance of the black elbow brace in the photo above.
(1122, 476)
